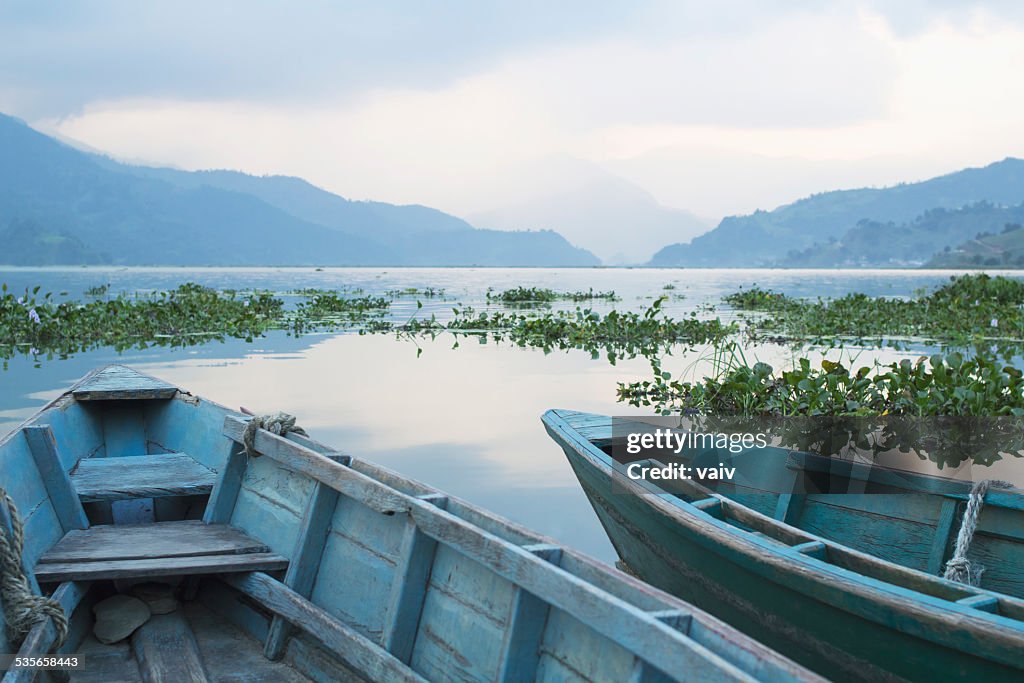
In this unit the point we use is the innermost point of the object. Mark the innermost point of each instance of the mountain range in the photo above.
(901, 225)
(618, 220)
(62, 205)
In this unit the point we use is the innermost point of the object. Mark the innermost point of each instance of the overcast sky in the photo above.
(717, 108)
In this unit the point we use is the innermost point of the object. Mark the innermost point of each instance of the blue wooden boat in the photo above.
(276, 558)
(846, 584)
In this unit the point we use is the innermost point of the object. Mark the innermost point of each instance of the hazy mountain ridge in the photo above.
(618, 220)
(767, 238)
(914, 243)
(51, 193)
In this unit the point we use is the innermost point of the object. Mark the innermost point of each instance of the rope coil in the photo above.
(959, 568)
(278, 423)
(23, 609)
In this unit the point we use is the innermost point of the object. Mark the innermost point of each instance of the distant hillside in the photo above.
(998, 249)
(875, 244)
(308, 202)
(769, 237)
(61, 205)
(617, 220)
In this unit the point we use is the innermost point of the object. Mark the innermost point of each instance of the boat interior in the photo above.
(896, 527)
(298, 562)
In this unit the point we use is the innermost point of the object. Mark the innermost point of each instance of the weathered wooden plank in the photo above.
(367, 658)
(575, 653)
(409, 588)
(167, 651)
(365, 568)
(229, 483)
(160, 566)
(789, 507)
(712, 506)
(124, 429)
(271, 504)
(623, 623)
(141, 476)
(815, 549)
(312, 660)
(58, 485)
(524, 630)
(305, 560)
(229, 654)
(943, 529)
(117, 382)
(986, 603)
(43, 635)
(186, 538)
(298, 458)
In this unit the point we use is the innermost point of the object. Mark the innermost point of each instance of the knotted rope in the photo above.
(23, 609)
(280, 424)
(959, 568)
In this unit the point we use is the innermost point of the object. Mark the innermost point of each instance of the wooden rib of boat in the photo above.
(298, 562)
(846, 584)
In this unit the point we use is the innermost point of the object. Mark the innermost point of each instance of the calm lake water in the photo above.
(465, 420)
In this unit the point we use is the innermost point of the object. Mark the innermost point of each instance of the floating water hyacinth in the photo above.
(33, 316)
(955, 315)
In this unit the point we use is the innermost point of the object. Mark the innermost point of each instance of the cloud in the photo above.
(54, 62)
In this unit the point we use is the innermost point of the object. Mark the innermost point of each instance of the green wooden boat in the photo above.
(176, 553)
(846, 584)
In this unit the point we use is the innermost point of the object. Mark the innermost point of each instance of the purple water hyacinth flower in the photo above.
(33, 316)
(34, 351)
(21, 300)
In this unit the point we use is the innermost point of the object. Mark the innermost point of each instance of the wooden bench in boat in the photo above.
(158, 549)
(135, 551)
(141, 476)
(117, 383)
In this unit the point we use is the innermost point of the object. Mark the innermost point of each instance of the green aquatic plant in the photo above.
(424, 292)
(97, 290)
(617, 334)
(970, 310)
(943, 384)
(541, 295)
(191, 314)
(329, 310)
(34, 324)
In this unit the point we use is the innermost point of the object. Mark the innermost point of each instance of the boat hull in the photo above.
(314, 564)
(785, 606)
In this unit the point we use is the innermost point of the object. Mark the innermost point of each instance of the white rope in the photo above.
(959, 568)
(23, 609)
(279, 423)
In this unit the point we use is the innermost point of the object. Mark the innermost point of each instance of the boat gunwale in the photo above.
(1001, 633)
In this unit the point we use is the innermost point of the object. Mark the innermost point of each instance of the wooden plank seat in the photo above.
(141, 476)
(160, 549)
(118, 383)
